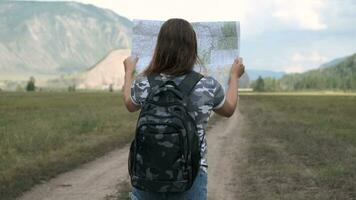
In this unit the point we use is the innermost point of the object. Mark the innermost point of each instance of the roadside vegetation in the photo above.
(339, 76)
(298, 147)
(45, 133)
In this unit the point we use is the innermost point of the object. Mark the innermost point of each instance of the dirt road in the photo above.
(224, 145)
(99, 179)
(95, 180)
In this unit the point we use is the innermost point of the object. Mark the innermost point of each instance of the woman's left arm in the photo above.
(130, 65)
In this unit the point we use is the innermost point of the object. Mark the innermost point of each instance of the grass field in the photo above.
(295, 146)
(298, 147)
(43, 134)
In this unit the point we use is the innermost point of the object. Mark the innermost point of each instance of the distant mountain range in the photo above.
(339, 74)
(255, 73)
(333, 62)
(83, 45)
(54, 38)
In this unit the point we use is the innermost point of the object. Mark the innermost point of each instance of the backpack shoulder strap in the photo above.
(188, 83)
(152, 80)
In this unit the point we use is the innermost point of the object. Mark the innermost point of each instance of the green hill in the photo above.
(339, 76)
(57, 37)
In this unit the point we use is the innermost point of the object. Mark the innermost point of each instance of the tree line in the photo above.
(341, 76)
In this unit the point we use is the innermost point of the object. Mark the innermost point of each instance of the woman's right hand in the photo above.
(237, 68)
(231, 95)
(130, 64)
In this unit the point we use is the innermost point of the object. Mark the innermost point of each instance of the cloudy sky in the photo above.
(279, 35)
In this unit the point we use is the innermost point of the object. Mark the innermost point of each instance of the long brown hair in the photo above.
(176, 50)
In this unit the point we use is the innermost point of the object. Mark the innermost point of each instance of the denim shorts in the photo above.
(198, 191)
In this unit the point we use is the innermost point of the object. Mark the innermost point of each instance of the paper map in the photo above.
(218, 45)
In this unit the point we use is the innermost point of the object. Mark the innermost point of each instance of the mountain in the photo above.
(110, 71)
(255, 73)
(54, 38)
(338, 76)
(333, 62)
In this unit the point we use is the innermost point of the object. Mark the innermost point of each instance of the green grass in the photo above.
(299, 93)
(43, 134)
(298, 147)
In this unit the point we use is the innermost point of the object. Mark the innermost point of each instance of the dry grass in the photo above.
(298, 147)
(43, 134)
(301, 93)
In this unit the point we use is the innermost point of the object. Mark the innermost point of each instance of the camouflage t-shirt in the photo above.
(207, 95)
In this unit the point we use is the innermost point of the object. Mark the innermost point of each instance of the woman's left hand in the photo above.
(130, 64)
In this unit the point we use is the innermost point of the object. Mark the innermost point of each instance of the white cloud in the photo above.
(300, 62)
(255, 16)
(196, 10)
(303, 13)
(286, 35)
(314, 57)
(260, 21)
(294, 69)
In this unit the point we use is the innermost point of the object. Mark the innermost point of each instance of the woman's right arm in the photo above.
(130, 65)
(229, 107)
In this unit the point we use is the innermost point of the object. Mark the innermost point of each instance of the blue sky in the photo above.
(279, 35)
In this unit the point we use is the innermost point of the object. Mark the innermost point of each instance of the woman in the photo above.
(175, 56)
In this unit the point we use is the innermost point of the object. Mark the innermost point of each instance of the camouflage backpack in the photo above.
(165, 153)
